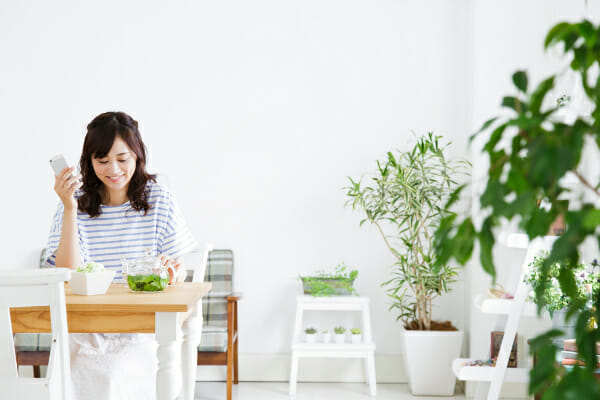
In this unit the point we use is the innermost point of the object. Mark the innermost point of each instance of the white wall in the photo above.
(256, 111)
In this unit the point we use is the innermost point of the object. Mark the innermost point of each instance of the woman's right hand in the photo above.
(65, 185)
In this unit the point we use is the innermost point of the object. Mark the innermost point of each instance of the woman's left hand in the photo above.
(172, 265)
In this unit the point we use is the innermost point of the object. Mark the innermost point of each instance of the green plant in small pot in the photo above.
(356, 335)
(311, 335)
(405, 198)
(338, 282)
(340, 334)
(325, 336)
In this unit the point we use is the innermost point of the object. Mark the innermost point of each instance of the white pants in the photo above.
(113, 366)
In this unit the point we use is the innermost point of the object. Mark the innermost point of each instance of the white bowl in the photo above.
(89, 283)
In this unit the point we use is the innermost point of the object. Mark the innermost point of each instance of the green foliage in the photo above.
(328, 283)
(310, 331)
(529, 152)
(355, 331)
(147, 283)
(552, 297)
(339, 330)
(405, 199)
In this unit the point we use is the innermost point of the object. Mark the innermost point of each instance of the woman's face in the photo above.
(116, 168)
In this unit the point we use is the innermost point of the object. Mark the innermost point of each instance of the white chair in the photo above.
(32, 288)
(195, 262)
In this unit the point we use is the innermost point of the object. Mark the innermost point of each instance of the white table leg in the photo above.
(168, 375)
(192, 330)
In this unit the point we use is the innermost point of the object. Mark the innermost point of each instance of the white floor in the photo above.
(307, 391)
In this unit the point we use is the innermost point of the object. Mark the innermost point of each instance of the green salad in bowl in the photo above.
(90, 267)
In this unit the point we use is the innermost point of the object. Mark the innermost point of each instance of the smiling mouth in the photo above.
(114, 178)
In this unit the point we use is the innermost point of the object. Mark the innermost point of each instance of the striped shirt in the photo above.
(120, 232)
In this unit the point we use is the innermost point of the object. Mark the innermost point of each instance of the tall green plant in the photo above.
(541, 150)
(405, 200)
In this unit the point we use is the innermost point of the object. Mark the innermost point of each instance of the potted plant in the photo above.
(338, 282)
(311, 334)
(531, 149)
(405, 199)
(340, 334)
(356, 335)
(326, 336)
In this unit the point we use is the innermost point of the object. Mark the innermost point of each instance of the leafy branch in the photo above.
(530, 152)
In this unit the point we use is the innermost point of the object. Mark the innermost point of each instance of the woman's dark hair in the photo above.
(101, 134)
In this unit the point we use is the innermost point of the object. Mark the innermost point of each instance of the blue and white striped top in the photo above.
(121, 232)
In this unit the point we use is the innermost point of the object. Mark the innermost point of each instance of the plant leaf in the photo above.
(520, 80)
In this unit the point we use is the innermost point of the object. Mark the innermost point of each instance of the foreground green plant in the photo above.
(405, 199)
(529, 153)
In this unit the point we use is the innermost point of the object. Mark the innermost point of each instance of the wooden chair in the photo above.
(219, 342)
(28, 288)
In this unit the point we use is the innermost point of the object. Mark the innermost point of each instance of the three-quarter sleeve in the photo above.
(54, 237)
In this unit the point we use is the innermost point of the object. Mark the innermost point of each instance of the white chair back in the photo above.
(33, 288)
(196, 261)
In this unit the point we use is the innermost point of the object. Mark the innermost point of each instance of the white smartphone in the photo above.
(58, 163)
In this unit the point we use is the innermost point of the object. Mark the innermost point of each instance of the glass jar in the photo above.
(146, 274)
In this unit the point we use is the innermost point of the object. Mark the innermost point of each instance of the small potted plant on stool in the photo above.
(340, 336)
(356, 335)
(326, 336)
(311, 334)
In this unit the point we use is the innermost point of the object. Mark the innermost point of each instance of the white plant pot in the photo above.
(326, 337)
(428, 357)
(357, 339)
(311, 337)
(340, 338)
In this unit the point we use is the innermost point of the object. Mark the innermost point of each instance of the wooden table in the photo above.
(174, 316)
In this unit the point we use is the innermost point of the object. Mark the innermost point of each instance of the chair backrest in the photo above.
(219, 271)
(31, 288)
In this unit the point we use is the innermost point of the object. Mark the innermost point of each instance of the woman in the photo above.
(114, 210)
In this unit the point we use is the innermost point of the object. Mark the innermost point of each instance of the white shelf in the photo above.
(334, 346)
(491, 378)
(486, 373)
(364, 350)
(514, 240)
(521, 240)
(504, 307)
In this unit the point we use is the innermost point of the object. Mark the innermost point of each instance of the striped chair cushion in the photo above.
(219, 271)
(34, 341)
(213, 339)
